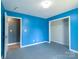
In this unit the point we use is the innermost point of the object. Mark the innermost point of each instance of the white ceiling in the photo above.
(34, 8)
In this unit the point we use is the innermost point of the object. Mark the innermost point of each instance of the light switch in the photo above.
(11, 30)
(25, 30)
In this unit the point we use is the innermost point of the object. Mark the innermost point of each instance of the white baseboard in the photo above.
(13, 43)
(35, 44)
(73, 51)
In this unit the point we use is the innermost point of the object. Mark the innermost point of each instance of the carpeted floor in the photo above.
(42, 51)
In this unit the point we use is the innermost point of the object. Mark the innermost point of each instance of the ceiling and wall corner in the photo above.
(34, 7)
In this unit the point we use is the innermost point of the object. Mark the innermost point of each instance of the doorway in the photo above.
(13, 29)
(13, 33)
(59, 31)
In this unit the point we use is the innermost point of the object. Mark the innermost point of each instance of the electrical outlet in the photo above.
(37, 40)
(33, 40)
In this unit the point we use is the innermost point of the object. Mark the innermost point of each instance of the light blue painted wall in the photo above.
(74, 26)
(37, 28)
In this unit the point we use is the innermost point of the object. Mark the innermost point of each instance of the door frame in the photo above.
(20, 28)
(69, 29)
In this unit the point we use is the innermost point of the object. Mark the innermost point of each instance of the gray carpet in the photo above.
(42, 51)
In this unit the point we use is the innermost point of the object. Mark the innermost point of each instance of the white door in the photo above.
(6, 36)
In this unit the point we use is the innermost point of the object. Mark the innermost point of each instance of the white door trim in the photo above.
(20, 28)
(6, 37)
(69, 29)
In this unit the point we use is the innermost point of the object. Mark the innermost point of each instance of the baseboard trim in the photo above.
(13, 43)
(35, 44)
(73, 51)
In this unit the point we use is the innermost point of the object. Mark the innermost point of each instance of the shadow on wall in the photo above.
(66, 31)
(2, 29)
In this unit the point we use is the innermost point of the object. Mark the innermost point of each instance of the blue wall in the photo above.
(37, 28)
(74, 26)
(2, 29)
